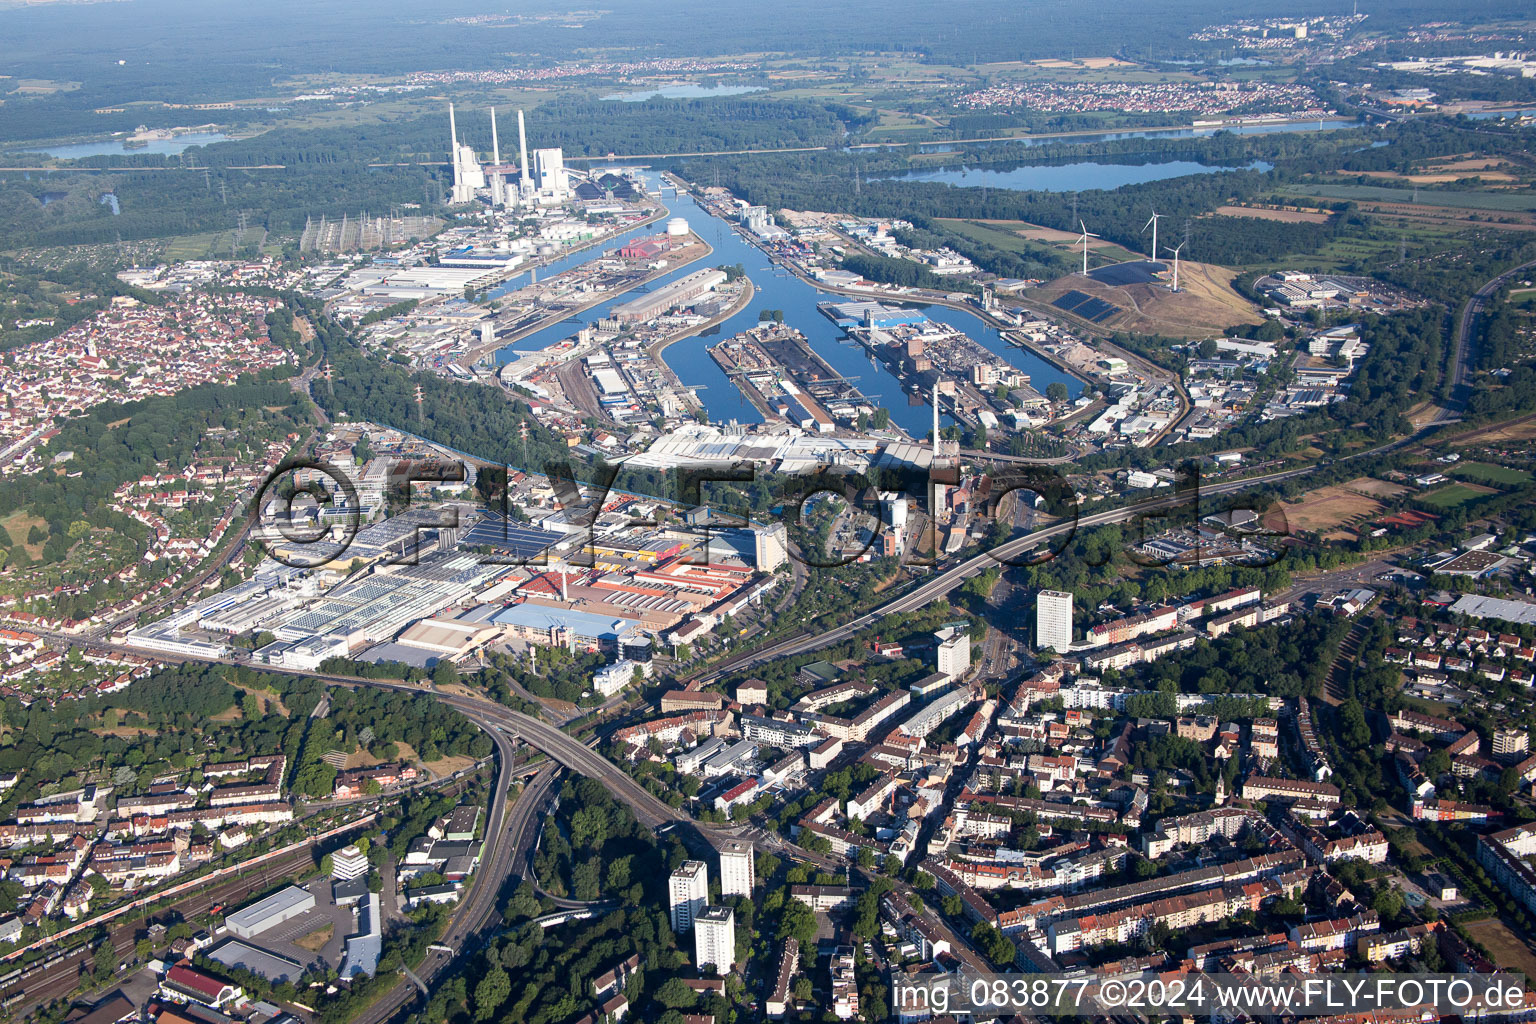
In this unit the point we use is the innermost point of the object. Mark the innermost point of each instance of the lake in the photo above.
(778, 289)
(1270, 128)
(1074, 177)
(686, 91)
(115, 147)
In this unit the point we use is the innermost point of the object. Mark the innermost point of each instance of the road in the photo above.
(1462, 350)
(479, 908)
(939, 586)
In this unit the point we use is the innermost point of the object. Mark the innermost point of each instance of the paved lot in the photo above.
(283, 939)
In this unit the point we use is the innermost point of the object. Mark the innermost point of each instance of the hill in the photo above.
(1204, 304)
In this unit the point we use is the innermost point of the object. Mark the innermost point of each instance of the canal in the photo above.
(777, 289)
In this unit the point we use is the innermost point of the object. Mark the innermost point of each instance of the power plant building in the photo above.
(549, 173)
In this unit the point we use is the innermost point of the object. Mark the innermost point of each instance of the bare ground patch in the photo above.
(1328, 508)
(1507, 948)
(1299, 216)
(1375, 488)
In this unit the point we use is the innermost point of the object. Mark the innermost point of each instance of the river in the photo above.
(780, 290)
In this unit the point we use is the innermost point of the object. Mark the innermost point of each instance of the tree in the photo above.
(1057, 392)
(797, 922)
(1388, 904)
(105, 958)
(523, 903)
(491, 992)
(675, 995)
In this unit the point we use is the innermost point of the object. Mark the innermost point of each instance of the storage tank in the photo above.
(677, 227)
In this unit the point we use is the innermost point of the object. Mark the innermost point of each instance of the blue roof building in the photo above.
(545, 625)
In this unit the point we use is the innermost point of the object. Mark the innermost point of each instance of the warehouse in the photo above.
(269, 965)
(610, 384)
(453, 639)
(283, 905)
(678, 293)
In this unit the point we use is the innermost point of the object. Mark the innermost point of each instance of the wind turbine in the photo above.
(1175, 251)
(1086, 235)
(1152, 222)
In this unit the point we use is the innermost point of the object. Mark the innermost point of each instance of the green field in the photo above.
(996, 235)
(1487, 473)
(1452, 496)
(1505, 201)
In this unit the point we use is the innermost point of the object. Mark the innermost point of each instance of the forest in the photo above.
(174, 711)
(1280, 661)
(473, 418)
(383, 723)
(157, 203)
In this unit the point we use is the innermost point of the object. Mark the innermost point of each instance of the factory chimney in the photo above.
(522, 147)
(935, 421)
(495, 144)
(453, 152)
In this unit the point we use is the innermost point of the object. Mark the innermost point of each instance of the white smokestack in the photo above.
(522, 146)
(495, 144)
(453, 152)
(935, 420)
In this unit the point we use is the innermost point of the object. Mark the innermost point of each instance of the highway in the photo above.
(479, 908)
(1469, 312)
(512, 830)
(940, 585)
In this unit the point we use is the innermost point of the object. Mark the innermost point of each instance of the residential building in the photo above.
(954, 652)
(688, 893)
(714, 939)
(1053, 620)
(736, 867)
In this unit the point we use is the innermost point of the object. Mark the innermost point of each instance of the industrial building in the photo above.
(679, 293)
(364, 948)
(349, 862)
(269, 912)
(563, 626)
(269, 965)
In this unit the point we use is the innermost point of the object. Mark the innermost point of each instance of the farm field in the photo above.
(1283, 216)
(1506, 201)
